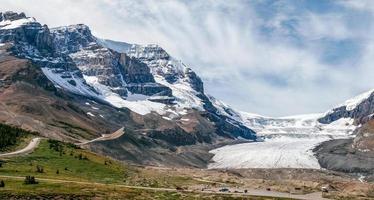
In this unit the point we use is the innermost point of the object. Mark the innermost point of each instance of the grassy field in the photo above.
(44, 190)
(68, 162)
(68, 172)
(62, 161)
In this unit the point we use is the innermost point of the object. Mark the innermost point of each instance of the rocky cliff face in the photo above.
(163, 65)
(31, 37)
(115, 70)
(360, 108)
(188, 88)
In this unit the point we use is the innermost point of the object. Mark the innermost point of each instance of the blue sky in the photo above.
(269, 57)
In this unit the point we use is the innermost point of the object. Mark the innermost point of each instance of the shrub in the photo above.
(56, 145)
(30, 180)
(39, 169)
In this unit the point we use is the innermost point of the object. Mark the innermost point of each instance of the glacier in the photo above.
(287, 142)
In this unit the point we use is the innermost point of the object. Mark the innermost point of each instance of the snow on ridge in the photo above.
(8, 24)
(224, 109)
(70, 28)
(186, 97)
(162, 65)
(79, 88)
(355, 101)
(136, 104)
(120, 47)
(303, 116)
(297, 124)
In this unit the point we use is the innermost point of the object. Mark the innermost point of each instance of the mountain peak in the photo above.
(355, 101)
(72, 38)
(13, 20)
(72, 27)
(148, 52)
(11, 16)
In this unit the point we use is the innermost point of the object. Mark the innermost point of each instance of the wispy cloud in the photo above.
(269, 57)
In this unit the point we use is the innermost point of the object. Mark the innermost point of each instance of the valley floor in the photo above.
(67, 171)
(288, 143)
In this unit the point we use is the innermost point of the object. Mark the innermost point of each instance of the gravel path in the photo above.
(28, 149)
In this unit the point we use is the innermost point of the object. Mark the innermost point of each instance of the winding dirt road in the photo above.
(105, 137)
(28, 149)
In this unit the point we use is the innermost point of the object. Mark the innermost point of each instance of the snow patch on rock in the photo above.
(354, 102)
(9, 24)
(73, 84)
(90, 114)
(142, 107)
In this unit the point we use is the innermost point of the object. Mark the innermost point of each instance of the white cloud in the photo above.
(317, 26)
(224, 42)
(367, 5)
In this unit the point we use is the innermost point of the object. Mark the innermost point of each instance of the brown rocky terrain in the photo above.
(354, 156)
(365, 137)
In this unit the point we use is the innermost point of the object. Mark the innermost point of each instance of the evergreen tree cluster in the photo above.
(9, 135)
(55, 145)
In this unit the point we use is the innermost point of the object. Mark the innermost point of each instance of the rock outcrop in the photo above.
(113, 69)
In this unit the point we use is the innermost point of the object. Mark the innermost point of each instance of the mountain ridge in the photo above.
(159, 101)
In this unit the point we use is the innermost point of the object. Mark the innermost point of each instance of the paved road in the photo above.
(105, 137)
(28, 149)
(251, 192)
(257, 192)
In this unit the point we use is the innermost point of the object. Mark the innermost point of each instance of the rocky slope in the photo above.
(360, 108)
(354, 155)
(72, 86)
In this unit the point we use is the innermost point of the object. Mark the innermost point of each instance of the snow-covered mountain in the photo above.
(167, 102)
(360, 108)
(144, 79)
